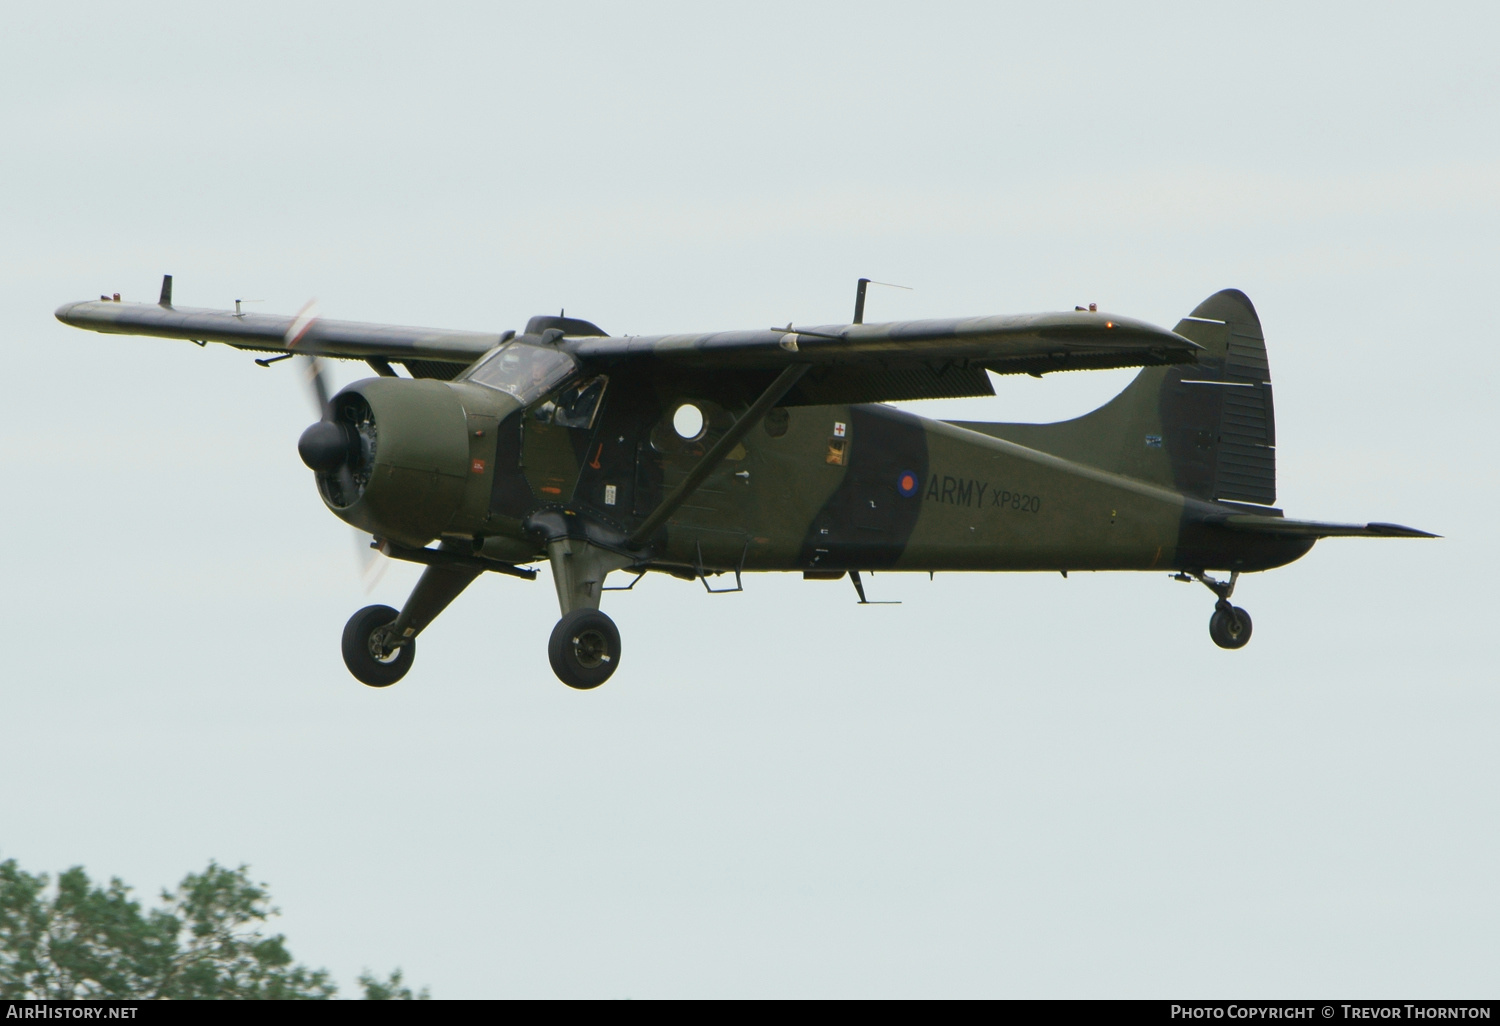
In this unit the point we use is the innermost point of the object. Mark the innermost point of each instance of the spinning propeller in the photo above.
(331, 446)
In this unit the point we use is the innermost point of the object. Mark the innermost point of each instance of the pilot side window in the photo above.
(578, 403)
(524, 371)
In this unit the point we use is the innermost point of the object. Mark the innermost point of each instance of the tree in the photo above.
(81, 942)
(389, 989)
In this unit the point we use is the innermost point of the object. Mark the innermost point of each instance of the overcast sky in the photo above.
(1008, 785)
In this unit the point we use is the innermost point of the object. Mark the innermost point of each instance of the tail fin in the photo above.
(1207, 429)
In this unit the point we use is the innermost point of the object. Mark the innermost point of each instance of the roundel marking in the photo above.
(906, 483)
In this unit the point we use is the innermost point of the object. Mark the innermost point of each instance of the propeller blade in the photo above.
(302, 323)
(317, 378)
(372, 563)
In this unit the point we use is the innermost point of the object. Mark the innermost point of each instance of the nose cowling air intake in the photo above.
(392, 457)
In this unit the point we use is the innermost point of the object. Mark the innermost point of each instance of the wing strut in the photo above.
(711, 459)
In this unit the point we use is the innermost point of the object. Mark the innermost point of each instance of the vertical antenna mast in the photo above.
(859, 296)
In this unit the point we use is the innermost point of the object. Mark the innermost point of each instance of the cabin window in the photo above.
(578, 404)
(524, 371)
(687, 421)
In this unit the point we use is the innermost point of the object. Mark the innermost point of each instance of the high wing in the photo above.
(931, 359)
(847, 363)
(1261, 524)
(438, 352)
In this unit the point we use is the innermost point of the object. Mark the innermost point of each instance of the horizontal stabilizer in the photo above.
(1314, 528)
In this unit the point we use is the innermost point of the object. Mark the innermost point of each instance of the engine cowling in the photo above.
(395, 459)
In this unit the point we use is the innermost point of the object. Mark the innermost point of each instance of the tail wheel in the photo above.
(1229, 627)
(584, 649)
(367, 649)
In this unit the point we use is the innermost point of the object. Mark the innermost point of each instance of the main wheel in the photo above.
(364, 648)
(584, 649)
(1230, 628)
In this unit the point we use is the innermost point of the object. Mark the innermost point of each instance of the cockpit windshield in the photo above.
(525, 371)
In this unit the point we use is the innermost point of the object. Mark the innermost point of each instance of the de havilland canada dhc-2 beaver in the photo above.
(770, 450)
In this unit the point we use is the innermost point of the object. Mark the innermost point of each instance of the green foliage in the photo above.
(82, 942)
(389, 989)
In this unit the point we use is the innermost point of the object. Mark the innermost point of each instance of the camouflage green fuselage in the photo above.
(909, 494)
(812, 488)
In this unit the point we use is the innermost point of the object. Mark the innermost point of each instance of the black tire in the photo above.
(584, 649)
(362, 662)
(1230, 628)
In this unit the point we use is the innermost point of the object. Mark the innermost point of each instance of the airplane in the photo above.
(700, 455)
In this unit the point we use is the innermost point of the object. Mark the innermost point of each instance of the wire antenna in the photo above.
(859, 296)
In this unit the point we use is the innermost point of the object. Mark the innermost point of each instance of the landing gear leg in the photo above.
(585, 645)
(1230, 625)
(380, 644)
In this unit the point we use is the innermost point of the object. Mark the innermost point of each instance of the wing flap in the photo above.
(841, 384)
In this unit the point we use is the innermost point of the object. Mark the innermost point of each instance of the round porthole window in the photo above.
(687, 421)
